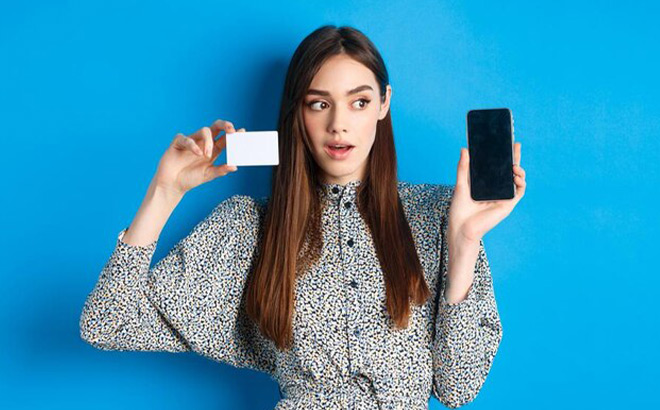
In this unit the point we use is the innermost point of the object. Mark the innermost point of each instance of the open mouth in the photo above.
(337, 151)
(340, 148)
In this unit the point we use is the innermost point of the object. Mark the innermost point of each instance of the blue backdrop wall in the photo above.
(91, 94)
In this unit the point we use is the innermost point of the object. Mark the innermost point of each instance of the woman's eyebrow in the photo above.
(349, 92)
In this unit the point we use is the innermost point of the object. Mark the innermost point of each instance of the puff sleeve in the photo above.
(467, 333)
(192, 299)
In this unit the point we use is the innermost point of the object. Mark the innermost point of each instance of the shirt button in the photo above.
(335, 190)
(350, 242)
(347, 205)
(354, 284)
(357, 332)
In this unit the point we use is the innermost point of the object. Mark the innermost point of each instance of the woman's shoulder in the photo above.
(425, 195)
(241, 208)
(420, 193)
(417, 195)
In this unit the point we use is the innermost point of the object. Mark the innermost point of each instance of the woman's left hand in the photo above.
(469, 220)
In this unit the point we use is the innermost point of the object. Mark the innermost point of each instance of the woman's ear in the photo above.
(385, 105)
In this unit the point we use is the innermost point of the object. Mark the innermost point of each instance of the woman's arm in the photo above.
(189, 300)
(460, 272)
(156, 208)
(116, 315)
(468, 333)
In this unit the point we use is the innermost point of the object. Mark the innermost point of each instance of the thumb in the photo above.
(462, 172)
(222, 170)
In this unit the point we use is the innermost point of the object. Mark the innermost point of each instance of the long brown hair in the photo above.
(291, 239)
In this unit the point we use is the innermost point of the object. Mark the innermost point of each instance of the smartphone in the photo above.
(490, 145)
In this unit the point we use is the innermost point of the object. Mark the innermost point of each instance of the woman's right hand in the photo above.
(188, 161)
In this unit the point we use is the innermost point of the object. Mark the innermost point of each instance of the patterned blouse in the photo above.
(345, 353)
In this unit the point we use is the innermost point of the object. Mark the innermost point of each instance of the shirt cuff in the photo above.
(469, 299)
(142, 248)
(130, 262)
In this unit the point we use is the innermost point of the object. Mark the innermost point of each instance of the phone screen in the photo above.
(490, 144)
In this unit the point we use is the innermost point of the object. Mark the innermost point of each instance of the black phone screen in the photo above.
(490, 144)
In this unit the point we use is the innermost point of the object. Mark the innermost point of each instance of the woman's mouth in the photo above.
(338, 151)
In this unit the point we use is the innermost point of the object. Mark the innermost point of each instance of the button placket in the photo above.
(341, 200)
(350, 223)
(348, 231)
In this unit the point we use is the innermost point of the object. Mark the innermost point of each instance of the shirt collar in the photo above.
(333, 192)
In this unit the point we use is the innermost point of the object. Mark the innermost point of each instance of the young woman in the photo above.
(352, 289)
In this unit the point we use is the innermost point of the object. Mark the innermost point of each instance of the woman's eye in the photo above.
(313, 103)
(363, 100)
(320, 105)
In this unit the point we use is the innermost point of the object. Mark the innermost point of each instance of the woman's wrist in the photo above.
(156, 208)
(460, 271)
(165, 194)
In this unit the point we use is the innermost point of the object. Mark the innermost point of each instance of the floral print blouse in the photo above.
(346, 354)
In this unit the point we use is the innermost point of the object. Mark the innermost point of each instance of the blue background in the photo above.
(91, 94)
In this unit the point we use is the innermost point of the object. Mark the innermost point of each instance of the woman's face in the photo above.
(343, 107)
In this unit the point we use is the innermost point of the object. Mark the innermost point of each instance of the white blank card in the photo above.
(252, 148)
